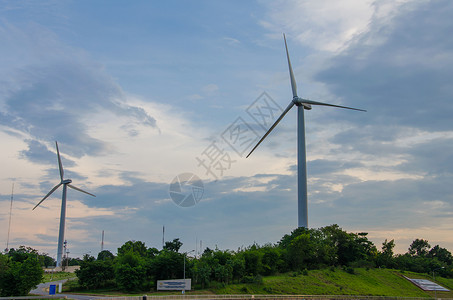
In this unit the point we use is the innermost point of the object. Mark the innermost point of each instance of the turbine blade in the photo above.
(80, 190)
(291, 74)
(60, 165)
(327, 104)
(48, 194)
(272, 127)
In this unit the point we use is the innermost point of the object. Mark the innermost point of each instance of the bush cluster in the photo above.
(20, 271)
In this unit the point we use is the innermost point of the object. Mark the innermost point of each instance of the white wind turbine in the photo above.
(301, 156)
(66, 183)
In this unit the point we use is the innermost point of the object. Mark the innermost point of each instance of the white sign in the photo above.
(174, 285)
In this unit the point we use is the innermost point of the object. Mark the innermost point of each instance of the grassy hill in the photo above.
(371, 282)
(364, 282)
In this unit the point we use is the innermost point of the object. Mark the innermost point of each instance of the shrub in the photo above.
(18, 278)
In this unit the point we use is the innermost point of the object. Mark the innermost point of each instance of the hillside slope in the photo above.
(372, 282)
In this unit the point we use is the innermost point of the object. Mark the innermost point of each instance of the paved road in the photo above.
(43, 290)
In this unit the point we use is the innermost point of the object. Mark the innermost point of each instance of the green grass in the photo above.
(47, 277)
(372, 282)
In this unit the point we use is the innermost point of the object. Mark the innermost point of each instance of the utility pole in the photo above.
(163, 236)
(10, 212)
(64, 255)
(102, 241)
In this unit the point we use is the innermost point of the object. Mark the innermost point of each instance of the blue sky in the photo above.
(135, 92)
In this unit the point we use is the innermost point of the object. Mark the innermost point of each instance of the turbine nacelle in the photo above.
(300, 102)
(66, 181)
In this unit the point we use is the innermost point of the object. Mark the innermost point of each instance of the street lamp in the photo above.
(435, 288)
(185, 253)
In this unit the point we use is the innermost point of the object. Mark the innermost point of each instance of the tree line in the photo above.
(137, 268)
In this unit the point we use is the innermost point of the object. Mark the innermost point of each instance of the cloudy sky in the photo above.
(138, 93)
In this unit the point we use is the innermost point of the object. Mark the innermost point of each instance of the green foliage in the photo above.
(105, 255)
(327, 246)
(223, 273)
(173, 246)
(272, 260)
(441, 254)
(47, 261)
(419, 247)
(133, 246)
(168, 265)
(130, 278)
(71, 261)
(252, 261)
(300, 251)
(131, 271)
(23, 253)
(95, 274)
(238, 265)
(202, 272)
(385, 258)
(19, 276)
(258, 279)
(330, 248)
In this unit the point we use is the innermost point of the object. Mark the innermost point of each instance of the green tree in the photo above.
(286, 240)
(130, 272)
(385, 257)
(441, 254)
(223, 273)
(271, 259)
(419, 247)
(300, 251)
(202, 272)
(324, 252)
(169, 265)
(237, 264)
(137, 247)
(95, 274)
(17, 278)
(252, 261)
(173, 246)
(47, 261)
(105, 255)
(23, 253)
(152, 252)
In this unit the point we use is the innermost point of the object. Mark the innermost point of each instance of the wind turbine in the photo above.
(301, 156)
(66, 183)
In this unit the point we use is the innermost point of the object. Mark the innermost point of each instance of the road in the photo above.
(43, 290)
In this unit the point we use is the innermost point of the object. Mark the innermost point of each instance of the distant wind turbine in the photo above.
(301, 156)
(66, 183)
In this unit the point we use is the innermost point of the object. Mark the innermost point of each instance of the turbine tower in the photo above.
(301, 156)
(66, 183)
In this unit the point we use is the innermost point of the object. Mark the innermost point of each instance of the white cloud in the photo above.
(210, 88)
(327, 25)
